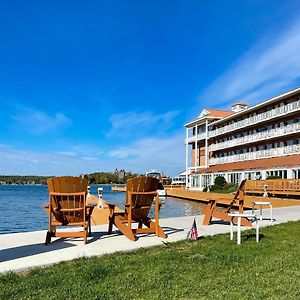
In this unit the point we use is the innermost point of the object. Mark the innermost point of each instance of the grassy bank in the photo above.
(211, 268)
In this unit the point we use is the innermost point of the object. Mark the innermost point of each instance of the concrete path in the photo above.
(21, 251)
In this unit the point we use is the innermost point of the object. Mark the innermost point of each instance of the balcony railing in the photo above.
(259, 136)
(270, 114)
(200, 136)
(280, 151)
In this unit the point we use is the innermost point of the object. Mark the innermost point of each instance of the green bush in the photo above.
(214, 188)
(274, 177)
(232, 187)
(220, 181)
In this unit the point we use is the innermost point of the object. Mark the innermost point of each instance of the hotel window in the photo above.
(281, 173)
(235, 178)
(297, 174)
(206, 180)
(196, 181)
(250, 175)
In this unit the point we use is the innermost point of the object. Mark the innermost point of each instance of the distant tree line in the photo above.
(18, 179)
(108, 177)
(94, 178)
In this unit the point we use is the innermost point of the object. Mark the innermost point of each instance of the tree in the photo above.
(220, 182)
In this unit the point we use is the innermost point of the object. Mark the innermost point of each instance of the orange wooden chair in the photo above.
(238, 200)
(67, 207)
(140, 194)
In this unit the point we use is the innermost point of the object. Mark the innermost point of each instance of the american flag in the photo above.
(193, 234)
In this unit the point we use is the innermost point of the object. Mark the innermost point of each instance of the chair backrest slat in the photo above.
(141, 203)
(68, 184)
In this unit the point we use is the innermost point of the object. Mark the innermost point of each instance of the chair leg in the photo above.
(85, 236)
(156, 228)
(110, 225)
(48, 237)
(211, 205)
(125, 229)
(89, 226)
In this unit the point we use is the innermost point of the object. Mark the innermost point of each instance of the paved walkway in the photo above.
(20, 251)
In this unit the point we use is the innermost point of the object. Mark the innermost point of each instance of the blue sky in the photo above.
(92, 86)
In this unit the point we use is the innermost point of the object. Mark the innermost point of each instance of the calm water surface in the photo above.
(21, 210)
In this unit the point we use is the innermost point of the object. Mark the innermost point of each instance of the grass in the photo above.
(211, 268)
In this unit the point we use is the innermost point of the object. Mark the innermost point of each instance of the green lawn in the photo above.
(211, 268)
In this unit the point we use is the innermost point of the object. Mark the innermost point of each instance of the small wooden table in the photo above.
(239, 218)
(261, 203)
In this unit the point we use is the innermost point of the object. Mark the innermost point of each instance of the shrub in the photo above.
(220, 181)
(215, 188)
(273, 177)
(232, 187)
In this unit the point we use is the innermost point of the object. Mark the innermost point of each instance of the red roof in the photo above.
(219, 113)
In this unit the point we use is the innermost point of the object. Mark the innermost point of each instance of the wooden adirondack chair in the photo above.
(67, 207)
(238, 199)
(140, 194)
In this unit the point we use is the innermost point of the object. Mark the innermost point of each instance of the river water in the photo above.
(21, 211)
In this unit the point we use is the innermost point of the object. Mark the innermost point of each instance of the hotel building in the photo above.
(246, 142)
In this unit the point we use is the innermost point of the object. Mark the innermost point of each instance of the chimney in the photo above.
(239, 106)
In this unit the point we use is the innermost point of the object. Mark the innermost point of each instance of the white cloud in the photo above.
(135, 123)
(20, 162)
(65, 153)
(270, 67)
(38, 122)
(165, 154)
(90, 158)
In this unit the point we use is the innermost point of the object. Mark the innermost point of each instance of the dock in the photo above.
(225, 199)
(118, 188)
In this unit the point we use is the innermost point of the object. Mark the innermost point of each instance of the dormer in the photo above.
(239, 106)
(204, 113)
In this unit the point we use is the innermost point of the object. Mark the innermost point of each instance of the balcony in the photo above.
(259, 136)
(270, 114)
(280, 151)
(192, 139)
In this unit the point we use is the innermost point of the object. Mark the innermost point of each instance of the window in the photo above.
(206, 180)
(196, 181)
(235, 178)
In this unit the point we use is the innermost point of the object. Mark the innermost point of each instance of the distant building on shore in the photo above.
(120, 173)
(246, 142)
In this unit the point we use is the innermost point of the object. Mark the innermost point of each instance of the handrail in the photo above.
(270, 114)
(273, 186)
(257, 137)
(274, 152)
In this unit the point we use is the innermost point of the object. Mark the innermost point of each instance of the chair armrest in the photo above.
(90, 205)
(67, 194)
(143, 193)
(113, 204)
(111, 207)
